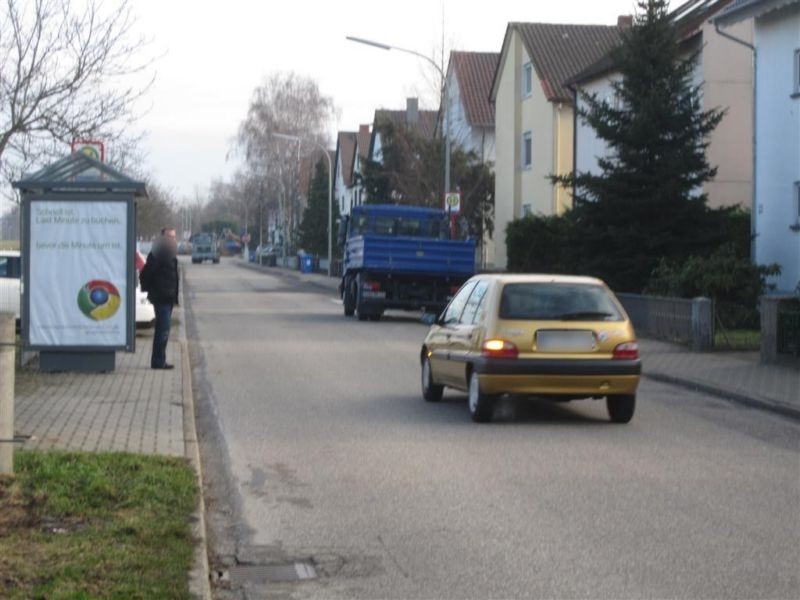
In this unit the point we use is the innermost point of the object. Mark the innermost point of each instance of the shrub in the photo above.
(732, 281)
(539, 244)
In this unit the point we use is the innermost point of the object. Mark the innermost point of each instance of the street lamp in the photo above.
(445, 102)
(294, 138)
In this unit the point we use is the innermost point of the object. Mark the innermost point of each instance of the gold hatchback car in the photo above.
(557, 337)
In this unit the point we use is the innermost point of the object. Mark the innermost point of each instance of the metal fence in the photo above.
(789, 328)
(780, 328)
(687, 321)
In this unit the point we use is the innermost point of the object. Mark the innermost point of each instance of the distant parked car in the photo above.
(145, 311)
(10, 272)
(561, 338)
(268, 255)
(184, 248)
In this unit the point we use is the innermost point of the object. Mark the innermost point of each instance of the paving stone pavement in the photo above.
(133, 409)
(735, 373)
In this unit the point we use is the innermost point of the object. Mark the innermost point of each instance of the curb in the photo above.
(199, 575)
(720, 392)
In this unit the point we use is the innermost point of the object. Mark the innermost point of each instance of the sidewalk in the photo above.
(134, 409)
(737, 376)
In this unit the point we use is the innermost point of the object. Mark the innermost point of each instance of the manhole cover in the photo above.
(269, 573)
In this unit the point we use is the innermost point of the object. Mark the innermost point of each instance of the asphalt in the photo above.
(318, 449)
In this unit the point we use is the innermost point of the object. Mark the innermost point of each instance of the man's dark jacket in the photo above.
(159, 277)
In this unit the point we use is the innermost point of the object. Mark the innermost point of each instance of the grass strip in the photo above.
(79, 526)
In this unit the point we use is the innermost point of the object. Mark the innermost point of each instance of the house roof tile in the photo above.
(425, 125)
(475, 72)
(689, 17)
(346, 149)
(559, 51)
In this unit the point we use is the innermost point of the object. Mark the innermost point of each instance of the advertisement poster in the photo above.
(78, 273)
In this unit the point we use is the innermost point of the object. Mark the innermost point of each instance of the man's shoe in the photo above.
(165, 366)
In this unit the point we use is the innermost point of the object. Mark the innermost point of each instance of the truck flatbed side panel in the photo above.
(411, 255)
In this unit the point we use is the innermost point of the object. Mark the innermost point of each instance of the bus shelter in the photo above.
(78, 274)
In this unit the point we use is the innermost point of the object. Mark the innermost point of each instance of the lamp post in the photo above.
(294, 138)
(445, 102)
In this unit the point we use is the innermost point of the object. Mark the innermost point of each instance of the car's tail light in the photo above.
(627, 351)
(499, 349)
(372, 286)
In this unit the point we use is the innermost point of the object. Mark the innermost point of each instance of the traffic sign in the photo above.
(452, 202)
(91, 148)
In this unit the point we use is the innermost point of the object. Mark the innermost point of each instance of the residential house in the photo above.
(352, 149)
(467, 88)
(308, 166)
(725, 72)
(776, 44)
(361, 154)
(346, 143)
(534, 116)
(423, 122)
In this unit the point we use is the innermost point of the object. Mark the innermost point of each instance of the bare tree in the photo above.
(289, 104)
(65, 72)
(155, 211)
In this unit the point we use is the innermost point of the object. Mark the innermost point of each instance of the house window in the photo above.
(527, 150)
(527, 80)
(526, 210)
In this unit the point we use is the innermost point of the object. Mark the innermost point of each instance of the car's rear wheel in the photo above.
(430, 391)
(621, 408)
(481, 406)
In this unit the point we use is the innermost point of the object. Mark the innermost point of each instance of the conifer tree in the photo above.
(646, 203)
(314, 227)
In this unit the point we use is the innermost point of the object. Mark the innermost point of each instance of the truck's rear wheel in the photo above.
(359, 284)
(349, 297)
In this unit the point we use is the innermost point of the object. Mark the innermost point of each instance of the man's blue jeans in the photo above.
(161, 335)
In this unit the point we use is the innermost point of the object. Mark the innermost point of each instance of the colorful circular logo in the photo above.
(99, 300)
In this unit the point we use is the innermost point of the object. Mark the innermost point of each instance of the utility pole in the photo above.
(7, 366)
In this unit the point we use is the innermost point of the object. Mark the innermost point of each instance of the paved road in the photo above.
(319, 449)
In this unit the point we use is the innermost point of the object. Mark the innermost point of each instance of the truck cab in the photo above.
(400, 257)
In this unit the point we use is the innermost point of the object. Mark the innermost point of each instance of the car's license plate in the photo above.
(564, 341)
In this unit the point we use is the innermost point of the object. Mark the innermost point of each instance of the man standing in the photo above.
(159, 278)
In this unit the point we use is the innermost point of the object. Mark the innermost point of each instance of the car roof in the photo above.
(540, 278)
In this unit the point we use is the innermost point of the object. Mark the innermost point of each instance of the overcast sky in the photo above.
(215, 53)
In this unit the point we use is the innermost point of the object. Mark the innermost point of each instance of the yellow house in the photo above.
(534, 116)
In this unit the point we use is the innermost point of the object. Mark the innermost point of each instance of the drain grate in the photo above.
(269, 573)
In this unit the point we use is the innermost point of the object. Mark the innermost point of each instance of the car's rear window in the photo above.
(549, 301)
(9, 267)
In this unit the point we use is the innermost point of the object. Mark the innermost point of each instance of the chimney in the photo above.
(412, 111)
(625, 21)
(363, 128)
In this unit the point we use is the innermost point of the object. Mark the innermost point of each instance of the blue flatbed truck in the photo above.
(400, 257)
